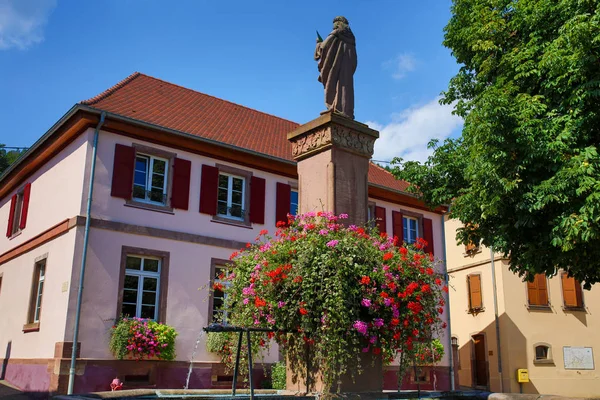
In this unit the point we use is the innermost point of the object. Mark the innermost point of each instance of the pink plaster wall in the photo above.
(17, 276)
(56, 193)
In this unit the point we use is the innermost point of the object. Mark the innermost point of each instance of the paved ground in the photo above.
(8, 391)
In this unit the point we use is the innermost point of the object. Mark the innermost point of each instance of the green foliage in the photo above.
(278, 375)
(225, 344)
(141, 338)
(337, 296)
(429, 353)
(8, 157)
(525, 175)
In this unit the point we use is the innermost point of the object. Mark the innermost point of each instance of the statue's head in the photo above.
(340, 22)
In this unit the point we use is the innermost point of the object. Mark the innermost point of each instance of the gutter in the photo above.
(86, 235)
(446, 279)
(496, 318)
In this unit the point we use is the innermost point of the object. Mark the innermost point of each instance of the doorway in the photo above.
(480, 373)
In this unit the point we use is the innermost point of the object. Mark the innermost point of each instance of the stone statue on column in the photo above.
(337, 62)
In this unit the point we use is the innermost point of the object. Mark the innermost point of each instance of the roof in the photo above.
(171, 106)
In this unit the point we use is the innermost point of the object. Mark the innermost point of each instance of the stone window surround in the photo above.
(30, 325)
(163, 282)
(247, 175)
(214, 262)
(413, 214)
(548, 359)
(170, 157)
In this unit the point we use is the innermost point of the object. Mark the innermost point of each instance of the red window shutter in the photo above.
(209, 189)
(283, 202)
(122, 179)
(11, 216)
(257, 200)
(428, 235)
(380, 217)
(180, 196)
(397, 226)
(25, 206)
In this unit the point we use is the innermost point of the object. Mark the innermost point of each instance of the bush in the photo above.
(141, 339)
(278, 375)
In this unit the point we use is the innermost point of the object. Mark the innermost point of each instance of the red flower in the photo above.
(263, 232)
(248, 245)
(383, 235)
(233, 255)
(403, 251)
(415, 332)
(384, 295)
(444, 325)
(395, 321)
(365, 280)
(445, 289)
(298, 279)
(258, 302)
(218, 286)
(303, 311)
(429, 271)
(441, 310)
(438, 281)
(426, 288)
(281, 224)
(391, 286)
(270, 335)
(376, 350)
(397, 336)
(388, 256)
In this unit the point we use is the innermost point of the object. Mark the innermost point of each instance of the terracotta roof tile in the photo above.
(155, 101)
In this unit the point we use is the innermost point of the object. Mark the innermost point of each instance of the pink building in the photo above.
(181, 180)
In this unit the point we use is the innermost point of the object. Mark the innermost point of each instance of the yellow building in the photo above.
(500, 324)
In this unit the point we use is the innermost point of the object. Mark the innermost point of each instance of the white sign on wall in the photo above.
(578, 357)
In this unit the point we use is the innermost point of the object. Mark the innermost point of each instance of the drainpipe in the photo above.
(496, 319)
(446, 278)
(86, 235)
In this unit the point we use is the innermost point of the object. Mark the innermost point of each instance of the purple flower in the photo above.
(378, 322)
(366, 349)
(332, 243)
(352, 228)
(343, 216)
(361, 327)
(323, 232)
(387, 301)
(373, 339)
(281, 304)
(246, 300)
(366, 302)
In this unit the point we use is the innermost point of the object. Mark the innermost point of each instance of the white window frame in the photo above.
(225, 284)
(39, 292)
(292, 203)
(230, 178)
(141, 274)
(18, 212)
(149, 173)
(408, 239)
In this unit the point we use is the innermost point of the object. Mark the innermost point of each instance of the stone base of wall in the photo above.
(436, 379)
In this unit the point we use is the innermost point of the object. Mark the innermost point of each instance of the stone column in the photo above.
(333, 154)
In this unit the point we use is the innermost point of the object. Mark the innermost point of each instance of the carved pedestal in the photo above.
(333, 155)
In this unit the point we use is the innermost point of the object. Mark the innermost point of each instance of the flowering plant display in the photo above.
(333, 292)
(142, 338)
(429, 353)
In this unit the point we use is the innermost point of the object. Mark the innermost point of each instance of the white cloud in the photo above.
(22, 22)
(401, 65)
(409, 131)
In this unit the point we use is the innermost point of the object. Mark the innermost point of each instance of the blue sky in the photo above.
(54, 53)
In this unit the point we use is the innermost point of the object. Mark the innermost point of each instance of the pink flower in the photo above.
(281, 304)
(361, 327)
(366, 302)
(378, 322)
(332, 243)
(323, 232)
(246, 301)
(366, 349)
(373, 339)
(343, 216)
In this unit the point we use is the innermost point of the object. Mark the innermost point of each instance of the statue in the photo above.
(337, 63)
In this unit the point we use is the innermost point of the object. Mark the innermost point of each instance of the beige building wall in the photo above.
(521, 327)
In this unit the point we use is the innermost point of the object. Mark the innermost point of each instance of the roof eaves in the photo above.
(110, 90)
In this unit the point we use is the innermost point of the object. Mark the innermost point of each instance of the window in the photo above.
(294, 202)
(472, 248)
(219, 314)
(17, 217)
(141, 287)
(37, 291)
(410, 228)
(572, 293)
(150, 179)
(537, 291)
(474, 286)
(230, 203)
(421, 375)
(542, 353)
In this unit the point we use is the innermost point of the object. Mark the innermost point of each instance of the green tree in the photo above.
(525, 175)
(8, 157)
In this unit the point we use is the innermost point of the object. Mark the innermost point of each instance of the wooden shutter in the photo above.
(180, 195)
(537, 291)
(11, 216)
(398, 227)
(209, 189)
(571, 291)
(257, 200)
(123, 167)
(282, 202)
(474, 283)
(380, 217)
(25, 206)
(428, 235)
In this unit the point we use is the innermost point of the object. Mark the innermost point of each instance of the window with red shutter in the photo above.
(397, 226)
(25, 207)
(123, 168)
(19, 208)
(428, 235)
(181, 184)
(282, 202)
(380, 217)
(11, 216)
(257, 200)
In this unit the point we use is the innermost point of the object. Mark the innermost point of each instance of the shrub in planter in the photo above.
(141, 338)
(336, 291)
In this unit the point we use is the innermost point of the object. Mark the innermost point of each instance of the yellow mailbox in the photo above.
(522, 375)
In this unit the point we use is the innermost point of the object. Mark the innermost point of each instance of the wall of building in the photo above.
(56, 194)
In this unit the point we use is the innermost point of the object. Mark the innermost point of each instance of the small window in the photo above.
(542, 353)
(294, 202)
(35, 305)
(572, 293)
(537, 291)
(17, 213)
(150, 179)
(219, 313)
(411, 231)
(475, 298)
(141, 287)
(231, 196)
